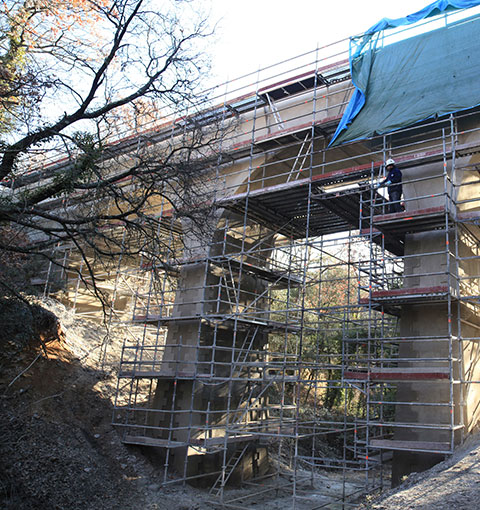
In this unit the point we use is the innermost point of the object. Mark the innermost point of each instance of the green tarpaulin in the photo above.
(434, 73)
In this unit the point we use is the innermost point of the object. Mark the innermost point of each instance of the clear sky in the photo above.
(256, 33)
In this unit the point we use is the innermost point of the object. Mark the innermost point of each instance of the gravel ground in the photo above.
(454, 484)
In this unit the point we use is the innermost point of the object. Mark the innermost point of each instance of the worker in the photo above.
(393, 181)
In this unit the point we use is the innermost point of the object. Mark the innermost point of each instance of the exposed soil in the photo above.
(453, 484)
(58, 449)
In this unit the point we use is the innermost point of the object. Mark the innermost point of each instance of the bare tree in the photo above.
(94, 148)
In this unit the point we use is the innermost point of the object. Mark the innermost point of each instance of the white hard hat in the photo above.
(389, 162)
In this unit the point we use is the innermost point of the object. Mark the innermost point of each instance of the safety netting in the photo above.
(403, 77)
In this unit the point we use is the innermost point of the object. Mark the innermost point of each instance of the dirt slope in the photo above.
(451, 485)
(57, 447)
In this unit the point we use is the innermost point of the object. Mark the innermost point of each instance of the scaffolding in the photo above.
(313, 333)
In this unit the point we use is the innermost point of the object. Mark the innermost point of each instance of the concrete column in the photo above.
(427, 263)
(195, 389)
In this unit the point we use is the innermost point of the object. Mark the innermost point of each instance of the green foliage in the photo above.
(13, 76)
(86, 151)
(334, 337)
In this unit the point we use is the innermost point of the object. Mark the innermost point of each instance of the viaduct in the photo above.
(309, 289)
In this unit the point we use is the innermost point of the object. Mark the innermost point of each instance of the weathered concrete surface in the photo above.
(431, 261)
(201, 385)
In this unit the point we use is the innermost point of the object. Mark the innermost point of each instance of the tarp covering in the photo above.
(434, 73)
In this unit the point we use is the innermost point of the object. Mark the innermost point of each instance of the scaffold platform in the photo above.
(410, 222)
(411, 446)
(414, 295)
(399, 374)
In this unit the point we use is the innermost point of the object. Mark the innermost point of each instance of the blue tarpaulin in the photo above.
(399, 84)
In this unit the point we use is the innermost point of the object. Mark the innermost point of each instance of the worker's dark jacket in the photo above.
(395, 177)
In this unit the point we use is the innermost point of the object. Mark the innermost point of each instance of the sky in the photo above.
(257, 33)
